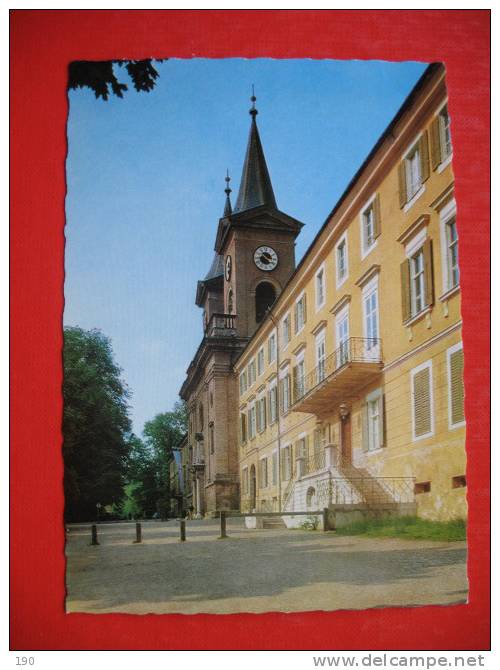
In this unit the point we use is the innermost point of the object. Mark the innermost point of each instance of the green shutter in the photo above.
(403, 198)
(405, 290)
(428, 272)
(424, 155)
(376, 216)
(435, 143)
(457, 386)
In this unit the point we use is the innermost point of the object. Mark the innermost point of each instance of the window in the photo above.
(260, 361)
(320, 356)
(341, 258)
(244, 480)
(342, 327)
(413, 170)
(373, 421)
(211, 438)
(273, 404)
(370, 314)
(285, 331)
(449, 244)
(455, 356)
(422, 401)
(286, 463)
(265, 295)
(243, 427)
(252, 421)
(263, 473)
(458, 482)
(441, 147)
(422, 487)
(320, 288)
(370, 225)
(417, 287)
(261, 414)
(299, 378)
(243, 382)
(271, 348)
(251, 372)
(285, 393)
(300, 313)
(274, 468)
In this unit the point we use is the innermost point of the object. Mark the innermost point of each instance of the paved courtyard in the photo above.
(254, 570)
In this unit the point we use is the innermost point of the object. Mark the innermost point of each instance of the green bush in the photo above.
(310, 523)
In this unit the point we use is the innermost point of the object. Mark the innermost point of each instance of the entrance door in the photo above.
(253, 484)
(345, 437)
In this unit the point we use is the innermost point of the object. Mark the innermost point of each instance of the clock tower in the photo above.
(256, 241)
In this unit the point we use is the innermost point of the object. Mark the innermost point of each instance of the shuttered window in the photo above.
(422, 401)
(417, 281)
(456, 385)
(272, 404)
(243, 427)
(413, 170)
(373, 421)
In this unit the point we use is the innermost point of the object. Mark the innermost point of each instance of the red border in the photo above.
(43, 42)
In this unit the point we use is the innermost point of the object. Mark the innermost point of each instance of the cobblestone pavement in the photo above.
(254, 570)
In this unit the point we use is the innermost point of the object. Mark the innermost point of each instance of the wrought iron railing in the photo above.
(372, 490)
(314, 462)
(221, 325)
(353, 350)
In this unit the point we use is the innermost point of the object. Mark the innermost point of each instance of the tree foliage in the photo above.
(148, 473)
(100, 76)
(96, 426)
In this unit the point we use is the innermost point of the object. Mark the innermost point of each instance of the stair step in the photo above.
(273, 522)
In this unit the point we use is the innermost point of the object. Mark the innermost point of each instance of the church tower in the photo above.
(256, 241)
(254, 258)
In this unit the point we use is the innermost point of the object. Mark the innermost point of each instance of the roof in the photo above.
(255, 186)
(216, 269)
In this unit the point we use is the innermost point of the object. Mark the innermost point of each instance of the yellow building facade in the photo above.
(350, 389)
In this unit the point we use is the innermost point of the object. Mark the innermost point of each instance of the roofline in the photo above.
(430, 70)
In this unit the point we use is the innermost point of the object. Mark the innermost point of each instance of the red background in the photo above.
(43, 43)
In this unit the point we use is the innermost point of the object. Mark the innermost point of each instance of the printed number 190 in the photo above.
(25, 660)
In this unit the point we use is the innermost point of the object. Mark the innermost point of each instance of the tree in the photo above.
(100, 76)
(96, 426)
(161, 435)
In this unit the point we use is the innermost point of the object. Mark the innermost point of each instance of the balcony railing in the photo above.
(314, 462)
(221, 325)
(347, 369)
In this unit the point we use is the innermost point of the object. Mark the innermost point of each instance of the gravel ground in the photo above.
(254, 570)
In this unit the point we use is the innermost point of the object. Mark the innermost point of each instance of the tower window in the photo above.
(265, 295)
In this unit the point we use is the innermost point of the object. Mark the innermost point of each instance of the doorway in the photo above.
(253, 492)
(345, 439)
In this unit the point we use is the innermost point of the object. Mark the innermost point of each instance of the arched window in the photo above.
(230, 301)
(265, 295)
(311, 498)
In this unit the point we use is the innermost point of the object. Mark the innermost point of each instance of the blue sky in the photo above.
(146, 189)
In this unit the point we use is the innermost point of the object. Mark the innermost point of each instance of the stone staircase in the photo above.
(370, 488)
(273, 523)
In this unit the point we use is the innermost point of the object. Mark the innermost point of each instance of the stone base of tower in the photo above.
(221, 495)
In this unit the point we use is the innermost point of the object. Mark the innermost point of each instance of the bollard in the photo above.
(223, 533)
(182, 524)
(325, 518)
(138, 533)
(94, 534)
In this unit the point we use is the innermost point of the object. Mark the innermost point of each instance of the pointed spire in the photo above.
(227, 207)
(255, 187)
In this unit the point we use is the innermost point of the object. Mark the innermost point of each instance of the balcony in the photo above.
(356, 363)
(221, 325)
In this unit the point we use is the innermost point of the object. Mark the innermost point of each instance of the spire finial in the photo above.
(253, 112)
(228, 210)
(227, 179)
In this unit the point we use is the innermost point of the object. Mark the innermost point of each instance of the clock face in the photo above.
(229, 264)
(265, 258)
